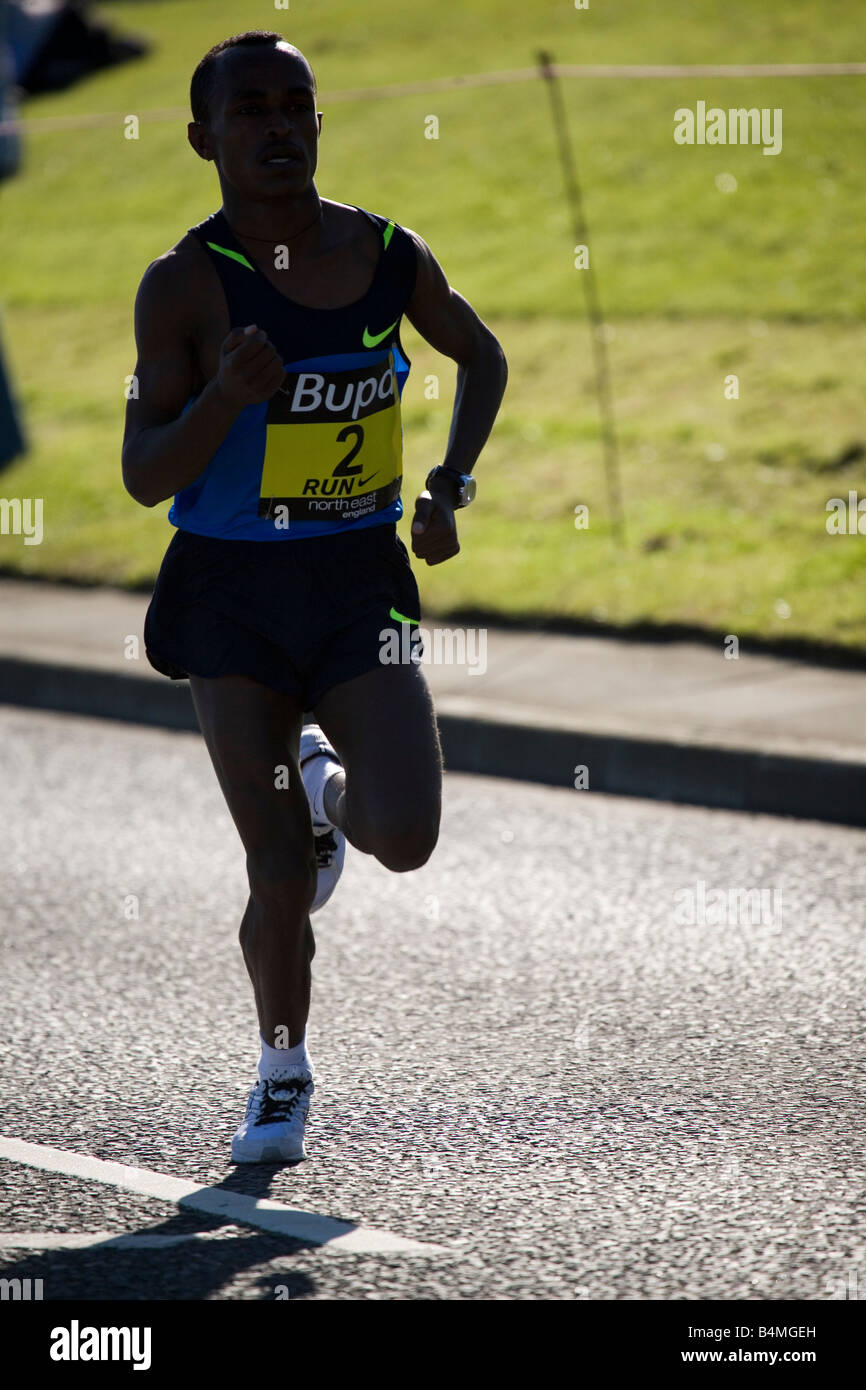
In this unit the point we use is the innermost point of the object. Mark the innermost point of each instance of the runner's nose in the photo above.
(280, 126)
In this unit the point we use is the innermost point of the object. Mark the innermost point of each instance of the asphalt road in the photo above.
(525, 1052)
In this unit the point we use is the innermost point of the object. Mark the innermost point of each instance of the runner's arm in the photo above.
(164, 451)
(164, 446)
(452, 327)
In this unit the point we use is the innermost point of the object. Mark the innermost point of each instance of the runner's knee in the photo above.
(404, 847)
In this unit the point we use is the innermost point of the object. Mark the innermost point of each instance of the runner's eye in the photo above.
(255, 106)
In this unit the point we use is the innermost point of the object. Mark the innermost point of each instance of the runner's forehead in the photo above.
(243, 73)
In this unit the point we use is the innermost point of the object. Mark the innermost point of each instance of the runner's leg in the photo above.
(251, 732)
(383, 726)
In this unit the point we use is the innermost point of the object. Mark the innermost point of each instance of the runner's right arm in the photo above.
(163, 450)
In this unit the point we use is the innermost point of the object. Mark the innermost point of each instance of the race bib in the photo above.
(333, 446)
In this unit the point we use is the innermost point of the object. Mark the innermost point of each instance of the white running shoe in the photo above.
(315, 754)
(272, 1130)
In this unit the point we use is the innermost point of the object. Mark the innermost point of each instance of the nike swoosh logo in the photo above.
(362, 481)
(371, 339)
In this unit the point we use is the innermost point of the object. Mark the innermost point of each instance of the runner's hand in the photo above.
(250, 369)
(434, 530)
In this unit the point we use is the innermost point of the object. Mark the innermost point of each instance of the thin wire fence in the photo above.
(601, 71)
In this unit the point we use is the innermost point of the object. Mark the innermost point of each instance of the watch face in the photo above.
(462, 483)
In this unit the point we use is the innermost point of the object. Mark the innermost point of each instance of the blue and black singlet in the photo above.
(324, 454)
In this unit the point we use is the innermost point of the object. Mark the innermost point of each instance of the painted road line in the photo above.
(339, 1237)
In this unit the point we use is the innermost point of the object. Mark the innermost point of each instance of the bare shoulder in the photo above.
(349, 223)
(422, 249)
(180, 308)
(174, 277)
(430, 278)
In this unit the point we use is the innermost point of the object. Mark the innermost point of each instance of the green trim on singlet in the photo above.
(235, 255)
(401, 617)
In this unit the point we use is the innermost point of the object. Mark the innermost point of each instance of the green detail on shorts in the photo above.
(401, 617)
(388, 233)
(235, 255)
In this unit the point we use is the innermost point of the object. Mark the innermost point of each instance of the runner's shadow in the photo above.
(189, 1270)
(185, 1256)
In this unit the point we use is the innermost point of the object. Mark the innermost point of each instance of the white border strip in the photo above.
(83, 120)
(341, 1237)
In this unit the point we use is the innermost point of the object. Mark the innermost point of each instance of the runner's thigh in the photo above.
(383, 726)
(252, 732)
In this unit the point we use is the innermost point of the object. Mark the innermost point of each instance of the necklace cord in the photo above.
(250, 237)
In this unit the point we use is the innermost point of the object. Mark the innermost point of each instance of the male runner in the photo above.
(269, 377)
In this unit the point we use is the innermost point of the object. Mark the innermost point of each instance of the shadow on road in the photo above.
(177, 1265)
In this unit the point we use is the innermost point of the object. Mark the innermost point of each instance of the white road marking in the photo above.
(339, 1237)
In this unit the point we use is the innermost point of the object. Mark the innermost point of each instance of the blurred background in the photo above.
(710, 261)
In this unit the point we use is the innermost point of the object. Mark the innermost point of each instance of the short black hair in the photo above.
(204, 78)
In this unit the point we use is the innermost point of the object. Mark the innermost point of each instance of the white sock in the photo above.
(275, 1058)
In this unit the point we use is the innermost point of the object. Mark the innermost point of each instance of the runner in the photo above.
(269, 377)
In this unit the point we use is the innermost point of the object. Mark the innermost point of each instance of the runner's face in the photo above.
(263, 112)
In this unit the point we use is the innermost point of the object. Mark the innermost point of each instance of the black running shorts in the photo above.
(296, 615)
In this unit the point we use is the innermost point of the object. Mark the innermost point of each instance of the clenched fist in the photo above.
(434, 530)
(251, 369)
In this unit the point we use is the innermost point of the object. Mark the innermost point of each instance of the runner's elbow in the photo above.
(498, 355)
(134, 485)
(487, 349)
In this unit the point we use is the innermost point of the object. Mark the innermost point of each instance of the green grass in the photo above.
(766, 282)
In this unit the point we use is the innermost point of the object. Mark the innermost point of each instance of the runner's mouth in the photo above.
(283, 158)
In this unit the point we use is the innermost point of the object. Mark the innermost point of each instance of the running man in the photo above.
(269, 377)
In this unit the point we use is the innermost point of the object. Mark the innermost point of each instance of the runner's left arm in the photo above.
(452, 327)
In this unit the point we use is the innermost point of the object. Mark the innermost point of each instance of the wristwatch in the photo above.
(463, 484)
